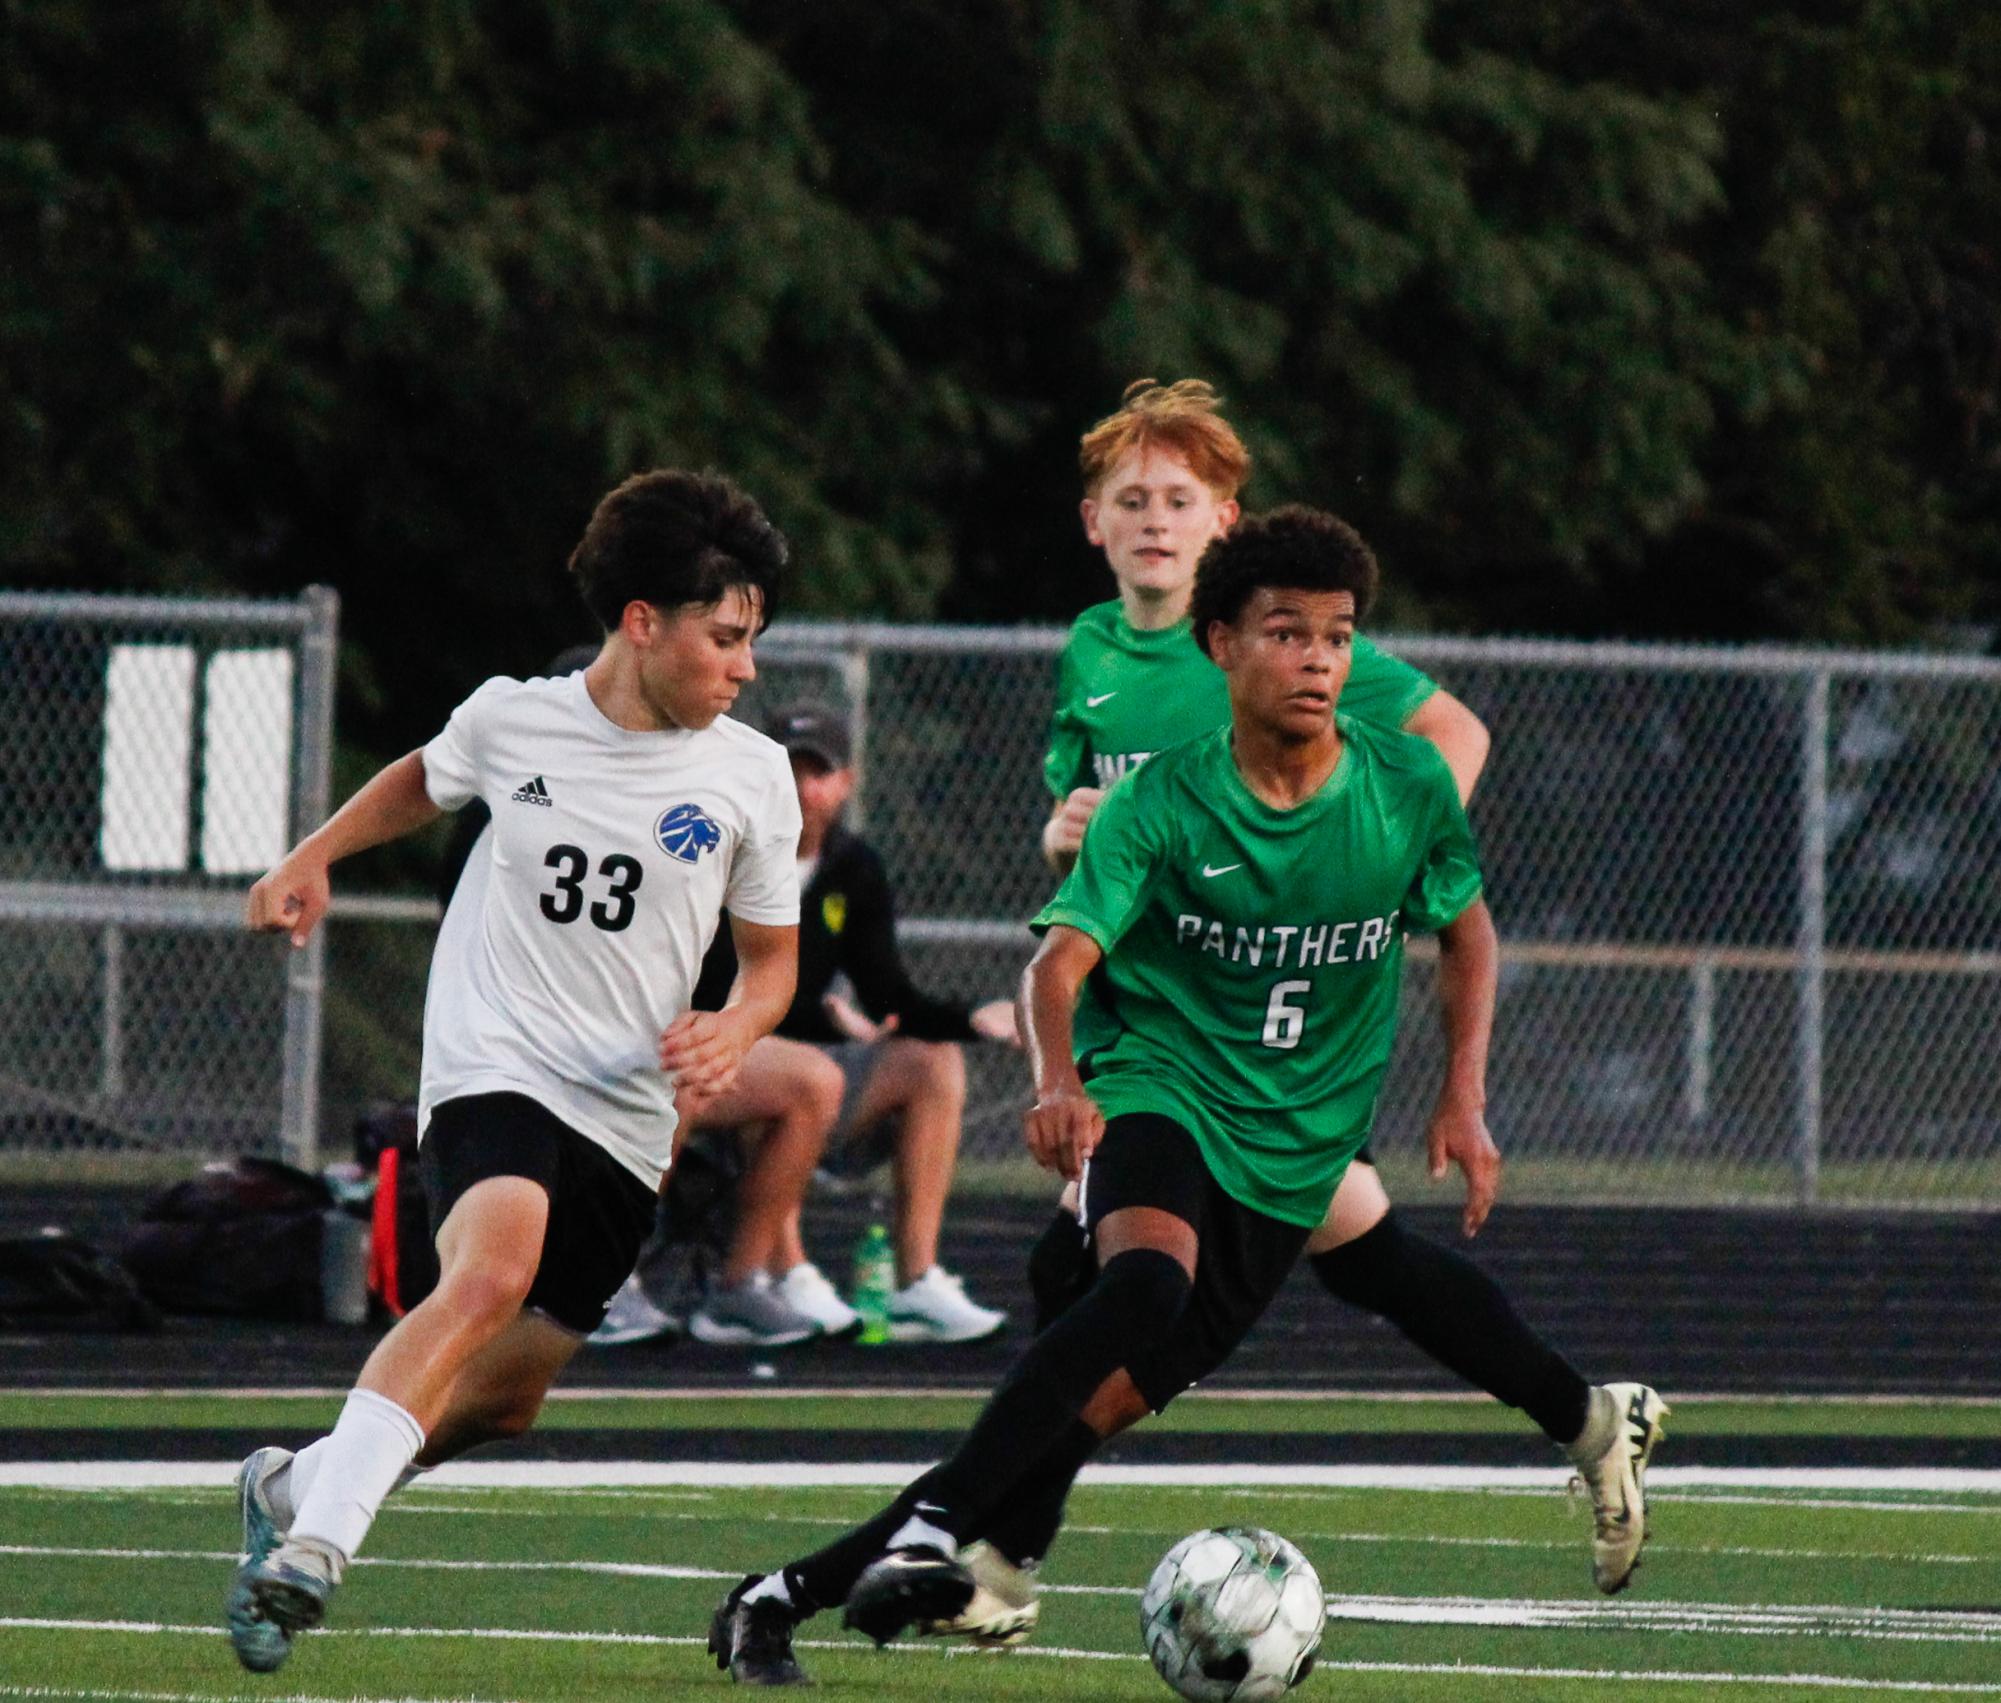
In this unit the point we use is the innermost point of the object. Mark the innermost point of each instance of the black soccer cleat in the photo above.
(752, 1641)
(903, 1587)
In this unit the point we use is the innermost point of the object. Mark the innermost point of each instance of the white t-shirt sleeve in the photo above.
(452, 772)
(764, 879)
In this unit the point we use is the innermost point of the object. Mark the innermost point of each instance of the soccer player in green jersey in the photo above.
(1161, 476)
(1230, 944)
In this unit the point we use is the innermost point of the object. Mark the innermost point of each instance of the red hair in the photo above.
(1181, 418)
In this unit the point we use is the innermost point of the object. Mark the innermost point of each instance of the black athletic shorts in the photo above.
(599, 1212)
(1243, 1254)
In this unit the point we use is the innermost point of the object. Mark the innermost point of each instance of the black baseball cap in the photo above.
(814, 730)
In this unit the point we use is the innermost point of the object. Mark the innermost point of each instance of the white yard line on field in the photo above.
(1775, 1620)
(1816, 1681)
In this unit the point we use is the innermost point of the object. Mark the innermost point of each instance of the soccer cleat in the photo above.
(807, 1291)
(752, 1641)
(905, 1588)
(750, 1314)
(276, 1598)
(265, 1518)
(1611, 1459)
(935, 1308)
(260, 1645)
(1003, 1609)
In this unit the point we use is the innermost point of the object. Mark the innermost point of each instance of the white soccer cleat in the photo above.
(936, 1308)
(1611, 1459)
(1003, 1610)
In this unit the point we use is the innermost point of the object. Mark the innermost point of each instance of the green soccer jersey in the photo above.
(1123, 694)
(1252, 955)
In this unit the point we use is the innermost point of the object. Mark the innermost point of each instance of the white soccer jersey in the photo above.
(577, 932)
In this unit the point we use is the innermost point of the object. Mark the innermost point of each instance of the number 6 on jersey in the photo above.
(1284, 1021)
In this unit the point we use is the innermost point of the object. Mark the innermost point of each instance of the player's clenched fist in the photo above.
(292, 898)
(703, 1050)
(1064, 1129)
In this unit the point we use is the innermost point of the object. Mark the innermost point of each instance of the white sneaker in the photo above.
(935, 1309)
(750, 1315)
(805, 1289)
(1003, 1610)
(1611, 1460)
(632, 1317)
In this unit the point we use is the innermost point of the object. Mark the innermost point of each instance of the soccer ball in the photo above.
(1233, 1616)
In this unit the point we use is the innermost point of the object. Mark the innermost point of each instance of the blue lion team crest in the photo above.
(686, 831)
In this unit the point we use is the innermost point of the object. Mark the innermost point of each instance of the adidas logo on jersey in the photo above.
(534, 792)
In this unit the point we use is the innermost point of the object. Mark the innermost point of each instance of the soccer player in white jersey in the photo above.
(560, 1050)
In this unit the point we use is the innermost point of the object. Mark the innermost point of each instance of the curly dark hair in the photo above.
(1296, 547)
(673, 539)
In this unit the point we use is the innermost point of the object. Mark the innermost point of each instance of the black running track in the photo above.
(1690, 1300)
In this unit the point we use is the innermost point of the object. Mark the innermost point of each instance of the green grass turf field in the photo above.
(476, 1591)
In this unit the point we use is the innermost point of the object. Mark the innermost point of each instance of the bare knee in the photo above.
(1359, 1205)
(487, 1290)
(1116, 1406)
(822, 1088)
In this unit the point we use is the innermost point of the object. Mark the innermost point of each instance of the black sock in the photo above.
(1060, 1267)
(1459, 1316)
(825, 1577)
(1030, 1416)
(1136, 1300)
(1028, 1523)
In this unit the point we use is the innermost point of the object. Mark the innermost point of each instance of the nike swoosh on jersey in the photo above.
(1220, 868)
(1093, 703)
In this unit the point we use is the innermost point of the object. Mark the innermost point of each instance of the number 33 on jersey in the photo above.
(586, 907)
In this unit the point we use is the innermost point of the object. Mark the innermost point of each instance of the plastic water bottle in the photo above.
(874, 1283)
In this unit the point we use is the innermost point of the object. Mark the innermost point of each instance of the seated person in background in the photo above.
(827, 1072)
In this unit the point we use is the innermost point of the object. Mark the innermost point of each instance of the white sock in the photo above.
(286, 1488)
(771, 1585)
(919, 1533)
(356, 1466)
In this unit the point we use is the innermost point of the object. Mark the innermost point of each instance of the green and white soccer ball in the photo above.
(1233, 1616)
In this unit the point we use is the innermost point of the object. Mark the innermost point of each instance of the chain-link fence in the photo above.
(1750, 900)
(159, 754)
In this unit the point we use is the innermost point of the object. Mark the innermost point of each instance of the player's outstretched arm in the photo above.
(1469, 958)
(704, 1049)
(1064, 1125)
(1063, 833)
(294, 896)
(1461, 737)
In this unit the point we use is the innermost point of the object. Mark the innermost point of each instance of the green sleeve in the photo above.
(1067, 764)
(1107, 889)
(1448, 881)
(1383, 690)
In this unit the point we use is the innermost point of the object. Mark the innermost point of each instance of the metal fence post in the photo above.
(855, 681)
(1812, 1003)
(1701, 1040)
(305, 979)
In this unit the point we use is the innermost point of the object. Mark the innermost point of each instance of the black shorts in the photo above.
(1243, 1254)
(599, 1212)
